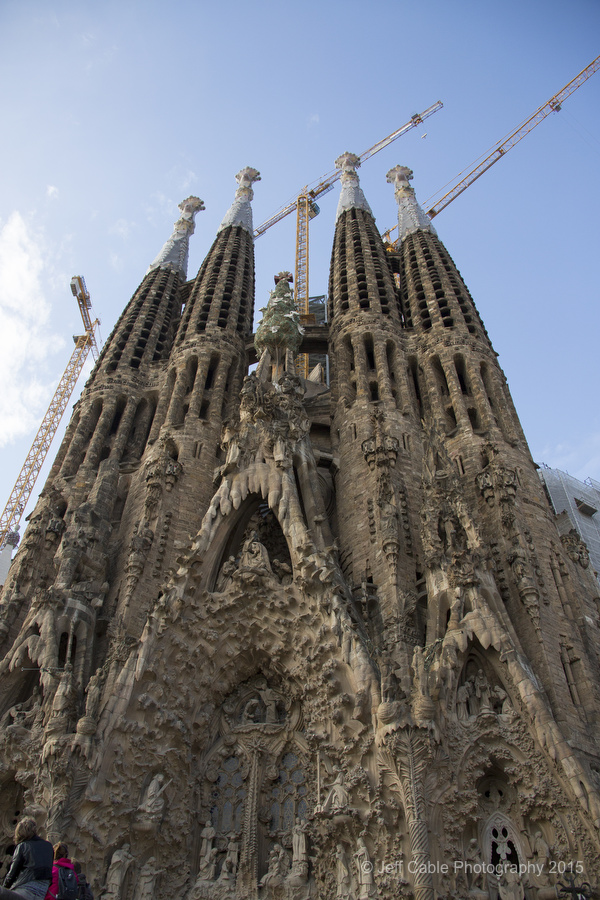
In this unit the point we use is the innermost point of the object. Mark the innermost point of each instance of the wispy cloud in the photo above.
(182, 179)
(122, 228)
(116, 262)
(52, 192)
(160, 207)
(188, 180)
(312, 120)
(24, 335)
(581, 459)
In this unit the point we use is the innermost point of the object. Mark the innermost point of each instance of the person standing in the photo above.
(30, 871)
(61, 861)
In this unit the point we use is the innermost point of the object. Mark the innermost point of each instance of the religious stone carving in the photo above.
(576, 548)
(337, 798)
(140, 545)
(146, 880)
(476, 877)
(510, 884)
(299, 852)
(343, 874)
(120, 862)
(151, 808)
(277, 871)
(364, 868)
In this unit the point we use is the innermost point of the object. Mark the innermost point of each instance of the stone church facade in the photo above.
(270, 638)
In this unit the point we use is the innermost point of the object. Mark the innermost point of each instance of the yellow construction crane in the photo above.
(306, 209)
(477, 170)
(41, 444)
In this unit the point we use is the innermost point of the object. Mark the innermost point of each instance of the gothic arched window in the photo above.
(288, 794)
(228, 796)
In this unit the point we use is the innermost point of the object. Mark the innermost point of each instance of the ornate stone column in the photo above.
(411, 751)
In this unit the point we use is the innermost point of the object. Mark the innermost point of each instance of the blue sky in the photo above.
(113, 112)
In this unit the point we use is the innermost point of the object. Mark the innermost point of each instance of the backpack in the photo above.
(85, 891)
(68, 885)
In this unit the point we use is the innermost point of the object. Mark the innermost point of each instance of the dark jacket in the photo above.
(32, 861)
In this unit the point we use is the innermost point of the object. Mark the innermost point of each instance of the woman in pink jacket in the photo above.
(61, 860)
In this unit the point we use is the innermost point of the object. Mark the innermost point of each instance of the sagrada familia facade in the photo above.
(273, 638)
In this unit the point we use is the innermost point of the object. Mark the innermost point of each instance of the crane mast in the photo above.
(34, 461)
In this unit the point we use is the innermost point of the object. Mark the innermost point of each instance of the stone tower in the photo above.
(270, 638)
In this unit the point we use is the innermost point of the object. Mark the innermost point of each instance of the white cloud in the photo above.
(122, 228)
(188, 179)
(312, 120)
(52, 192)
(116, 262)
(24, 330)
(581, 459)
(160, 207)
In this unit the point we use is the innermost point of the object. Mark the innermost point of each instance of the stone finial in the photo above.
(411, 217)
(240, 211)
(348, 163)
(174, 254)
(400, 176)
(351, 196)
(245, 179)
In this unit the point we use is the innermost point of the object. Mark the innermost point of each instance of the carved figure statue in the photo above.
(365, 870)
(154, 801)
(277, 868)
(64, 698)
(226, 574)
(510, 886)
(208, 835)
(299, 854)
(462, 702)
(475, 867)
(208, 866)
(482, 691)
(146, 880)
(542, 857)
(269, 697)
(418, 665)
(473, 701)
(227, 873)
(115, 877)
(255, 555)
(233, 852)
(250, 713)
(338, 798)
(343, 879)
(93, 694)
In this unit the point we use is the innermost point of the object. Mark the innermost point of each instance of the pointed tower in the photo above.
(270, 640)
(489, 551)
(208, 359)
(376, 422)
(436, 304)
(141, 339)
(81, 505)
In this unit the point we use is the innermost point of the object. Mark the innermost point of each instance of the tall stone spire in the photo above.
(223, 292)
(411, 217)
(174, 254)
(351, 196)
(240, 211)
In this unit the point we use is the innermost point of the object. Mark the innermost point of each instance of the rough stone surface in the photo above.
(271, 639)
